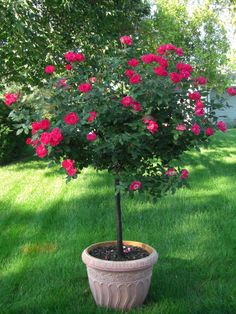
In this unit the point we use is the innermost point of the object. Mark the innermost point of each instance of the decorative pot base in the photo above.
(119, 285)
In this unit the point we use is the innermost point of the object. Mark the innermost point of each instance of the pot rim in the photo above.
(117, 266)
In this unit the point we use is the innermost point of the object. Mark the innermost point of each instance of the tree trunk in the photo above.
(118, 222)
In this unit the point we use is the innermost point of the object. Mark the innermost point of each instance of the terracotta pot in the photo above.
(119, 285)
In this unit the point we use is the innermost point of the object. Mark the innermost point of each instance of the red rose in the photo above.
(221, 125)
(199, 112)
(79, 57)
(170, 172)
(209, 131)
(160, 71)
(28, 141)
(184, 174)
(35, 143)
(231, 91)
(201, 80)
(49, 69)
(133, 62)
(71, 172)
(181, 127)
(41, 151)
(152, 126)
(194, 96)
(162, 62)
(148, 58)
(129, 72)
(199, 104)
(175, 77)
(40, 125)
(179, 52)
(126, 40)
(184, 67)
(136, 106)
(71, 118)
(70, 56)
(10, 98)
(127, 100)
(161, 50)
(56, 137)
(91, 136)
(92, 116)
(170, 47)
(68, 67)
(135, 79)
(85, 88)
(184, 74)
(135, 185)
(196, 129)
(67, 164)
(45, 138)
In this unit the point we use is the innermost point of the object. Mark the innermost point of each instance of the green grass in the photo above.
(45, 224)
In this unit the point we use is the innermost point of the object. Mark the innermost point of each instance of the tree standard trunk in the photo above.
(118, 221)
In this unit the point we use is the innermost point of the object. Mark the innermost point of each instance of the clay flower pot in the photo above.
(119, 285)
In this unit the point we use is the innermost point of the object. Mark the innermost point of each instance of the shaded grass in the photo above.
(45, 224)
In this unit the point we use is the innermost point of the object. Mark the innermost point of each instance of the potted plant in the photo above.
(133, 115)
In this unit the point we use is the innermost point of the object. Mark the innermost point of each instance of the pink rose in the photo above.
(56, 137)
(126, 40)
(196, 129)
(179, 52)
(148, 58)
(92, 79)
(40, 125)
(70, 56)
(221, 125)
(41, 151)
(175, 77)
(67, 164)
(71, 118)
(162, 62)
(201, 80)
(199, 112)
(161, 50)
(35, 143)
(129, 72)
(152, 126)
(184, 67)
(79, 57)
(49, 69)
(184, 74)
(85, 88)
(231, 91)
(28, 141)
(71, 172)
(45, 138)
(135, 185)
(181, 127)
(199, 104)
(170, 47)
(160, 71)
(68, 67)
(127, 101)
(133, 62)
(184, 174)
(136, 106)
(10, 98)
(170, 172)
(135, 79)
(91, 136)
(209, 131)
(194, 96)
(92, 116)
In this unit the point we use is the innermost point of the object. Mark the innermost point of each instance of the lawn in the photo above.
(45, 224)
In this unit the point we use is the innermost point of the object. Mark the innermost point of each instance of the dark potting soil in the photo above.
(110, 253)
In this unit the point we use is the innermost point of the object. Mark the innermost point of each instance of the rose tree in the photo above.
(133, 116)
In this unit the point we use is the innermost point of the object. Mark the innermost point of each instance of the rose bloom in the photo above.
(199, 112)
(135, 185)
(175, 77)
(136, 106)
(68, 67)
(135, 79)
(209, 131)
(41, 151)
(45, 138)
(231, 91)
(199, 104)
(184, 67)
(133, 62)
(127, 100)
(152, 126)
(170, 172)
(71, 172)
(92, 116)
(221, 125)
(170, 47)
(162, 62)
(49, 69)
(28, 141)
(45, 124)
(35, 142)
(129, 72)
(179, 52)
(71, 118)
(184, 174)
(148, 58)
(70, 56)
(40, 125)
(92, 79)
(10, 98)
(161, 50)
(196, 129)
(67, 164)
(201, 80)
(91, 136)
(181, 127)
(79, 57)
(126, 40)
(194, 96)
(56, 137)
(184, 74)
(160, 71)
(84, 88)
